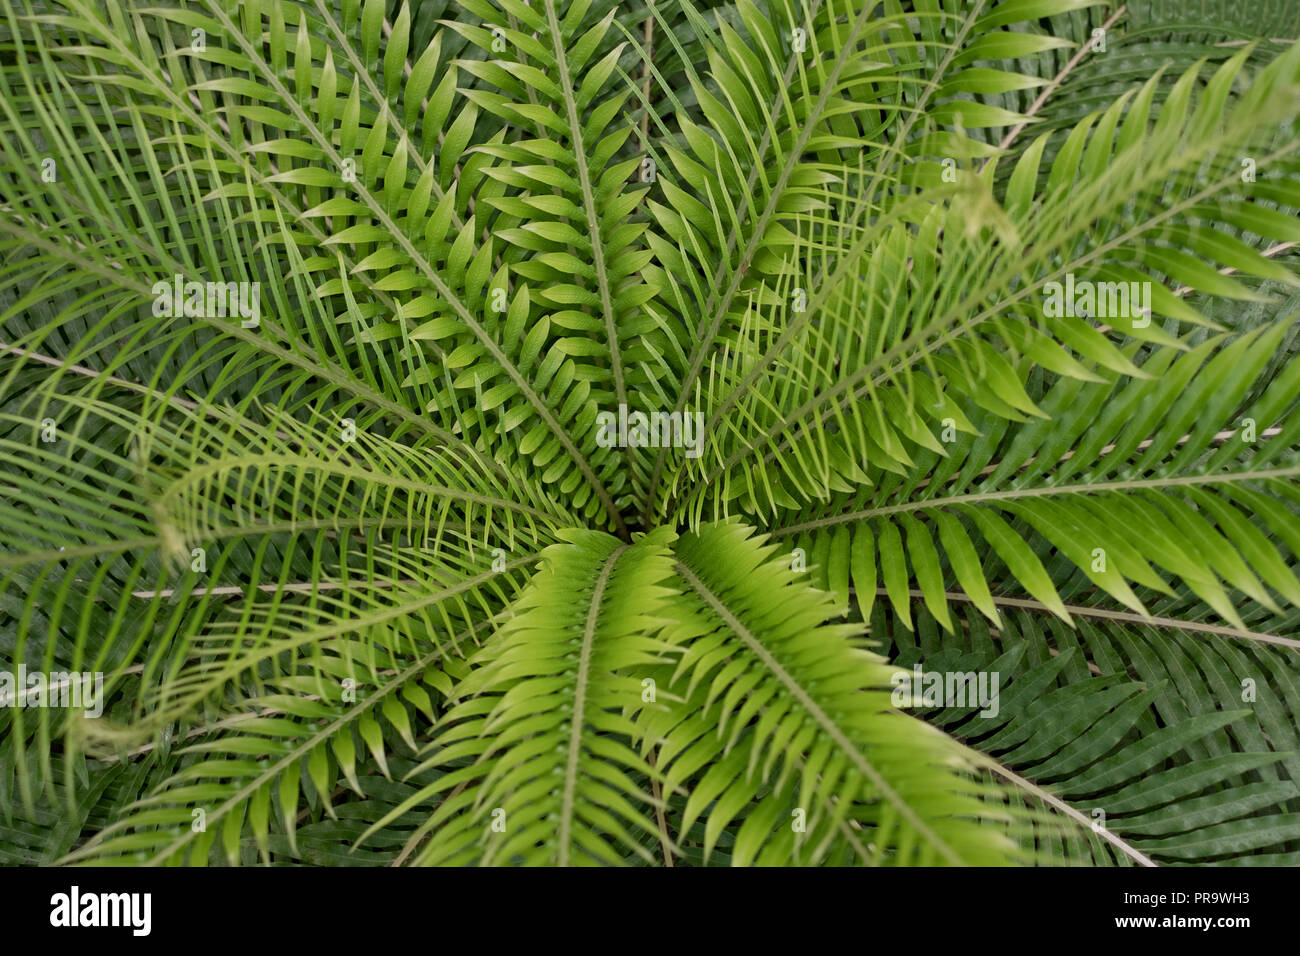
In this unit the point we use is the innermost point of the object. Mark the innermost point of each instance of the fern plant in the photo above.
(557, 432)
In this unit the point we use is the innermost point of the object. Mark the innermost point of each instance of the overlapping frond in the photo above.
(1166, 742)
(232, 544)
(548, 720)
(309, 310)
(788, 116)
(317, 736)
(1173, 469)
(901, 331)
(786, 733)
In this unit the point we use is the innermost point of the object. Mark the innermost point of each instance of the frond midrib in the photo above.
(1039, 492)
(567, 799)
(1111, 614)
(588, 201)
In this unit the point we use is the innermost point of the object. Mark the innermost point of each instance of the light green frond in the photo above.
(537, 757)
(786, 728)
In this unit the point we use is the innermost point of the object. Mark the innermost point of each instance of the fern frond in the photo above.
(551, 777)
(764, 680)
(1162, 746)
(313, 314)
(1170, 469)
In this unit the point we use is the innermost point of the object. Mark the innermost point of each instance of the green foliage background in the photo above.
(471, 634)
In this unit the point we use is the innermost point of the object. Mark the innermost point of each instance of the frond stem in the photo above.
(580, 696)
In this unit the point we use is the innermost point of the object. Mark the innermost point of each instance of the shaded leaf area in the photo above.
(1181, 743)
